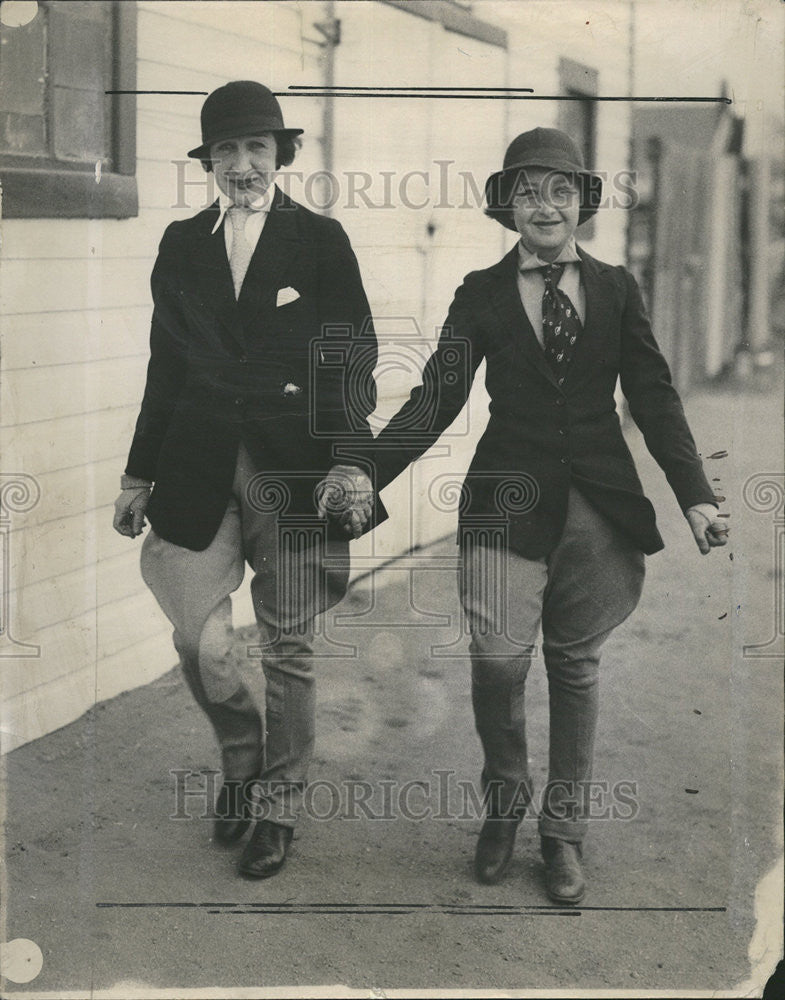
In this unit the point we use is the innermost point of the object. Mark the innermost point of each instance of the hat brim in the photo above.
(498, 190)
(203, 152)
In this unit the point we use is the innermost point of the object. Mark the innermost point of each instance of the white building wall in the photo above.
(76, 311)
(75, 300)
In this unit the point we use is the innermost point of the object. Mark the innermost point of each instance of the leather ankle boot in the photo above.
(564, 880)
(233, 811)
(265, 853)
(494, 849)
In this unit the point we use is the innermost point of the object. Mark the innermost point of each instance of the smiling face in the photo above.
(245, 167)
(545, 209)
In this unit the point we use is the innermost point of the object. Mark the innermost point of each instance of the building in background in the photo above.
(699, 237)
(92, 178)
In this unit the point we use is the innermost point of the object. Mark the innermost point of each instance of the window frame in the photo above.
(53, 189)
(579, 82)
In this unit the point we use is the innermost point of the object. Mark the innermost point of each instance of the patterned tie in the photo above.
(242, 251)
(561, 325)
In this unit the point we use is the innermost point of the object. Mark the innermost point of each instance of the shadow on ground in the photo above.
(114, 889)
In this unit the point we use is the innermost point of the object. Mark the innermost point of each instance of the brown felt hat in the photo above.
(242, 107)
(550, 149)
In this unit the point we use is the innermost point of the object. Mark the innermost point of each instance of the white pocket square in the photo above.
(287, 295)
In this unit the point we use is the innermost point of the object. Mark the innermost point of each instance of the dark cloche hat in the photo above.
(242, 107)
(550, 149)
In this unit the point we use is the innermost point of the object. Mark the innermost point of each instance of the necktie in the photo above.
(561, 325)
(242, 251)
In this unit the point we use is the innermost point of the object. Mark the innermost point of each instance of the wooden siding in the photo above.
(76, 303)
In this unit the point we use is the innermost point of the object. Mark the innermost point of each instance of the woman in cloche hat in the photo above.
(554, 524)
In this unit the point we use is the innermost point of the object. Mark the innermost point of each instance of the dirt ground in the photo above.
(121, 897)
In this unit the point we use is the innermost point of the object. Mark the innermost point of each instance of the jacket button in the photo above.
(562, 432)
(561, 381)
(560, 402)
(243, 359)
(563, 461)
(238, 401)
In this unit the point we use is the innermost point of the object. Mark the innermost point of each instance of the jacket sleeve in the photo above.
(655, 405)
(165, 369)
(348, 349)
(433, 405)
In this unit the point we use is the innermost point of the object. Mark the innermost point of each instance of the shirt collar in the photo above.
(528, 261)
(262, 204)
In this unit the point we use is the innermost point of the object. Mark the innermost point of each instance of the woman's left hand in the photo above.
(709, 529)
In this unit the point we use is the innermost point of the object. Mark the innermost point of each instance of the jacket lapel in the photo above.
(278, 244)
(506, 300)
(599, 294)
(213, 278)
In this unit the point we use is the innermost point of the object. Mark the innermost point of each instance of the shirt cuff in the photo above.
(133, 482)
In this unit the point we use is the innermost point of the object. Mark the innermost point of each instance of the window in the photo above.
(578, 116)
(67, 144)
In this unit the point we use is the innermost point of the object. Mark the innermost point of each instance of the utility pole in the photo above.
(330, 30)
(630, 134)
(758, 308)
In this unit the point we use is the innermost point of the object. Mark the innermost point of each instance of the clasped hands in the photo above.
(346, 495)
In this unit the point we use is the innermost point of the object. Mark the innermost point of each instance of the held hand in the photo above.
(709, 529)
(129, 510)
(346, 494)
